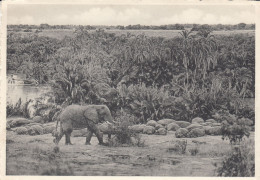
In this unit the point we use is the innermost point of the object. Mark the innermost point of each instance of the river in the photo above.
(25, 92)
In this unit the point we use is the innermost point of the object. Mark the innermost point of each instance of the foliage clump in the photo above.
(178, 146)
(123, 135)
(19, 109)
(233, 128)
(240, 162)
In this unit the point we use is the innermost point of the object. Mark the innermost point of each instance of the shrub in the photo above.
(194, 151)
(204, 101)
(123, 135)
(233, 128)
(179, 146)
(246, 111)
(147, 102)
(74, 82)
(240, 162)
(19, 109)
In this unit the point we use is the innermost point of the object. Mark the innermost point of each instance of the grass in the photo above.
(213, 150)
(39, 159)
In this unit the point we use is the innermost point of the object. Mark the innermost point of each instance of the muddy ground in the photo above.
(35, 155)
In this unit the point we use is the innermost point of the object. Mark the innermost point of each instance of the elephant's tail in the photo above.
(57, 123)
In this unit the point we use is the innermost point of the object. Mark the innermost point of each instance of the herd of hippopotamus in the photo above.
(91, 118)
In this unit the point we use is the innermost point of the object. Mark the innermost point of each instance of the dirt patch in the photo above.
(36, 155)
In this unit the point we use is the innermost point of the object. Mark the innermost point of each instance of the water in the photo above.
(25, 92)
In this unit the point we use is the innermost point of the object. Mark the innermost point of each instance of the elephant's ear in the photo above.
(91, 114)
(100, 111)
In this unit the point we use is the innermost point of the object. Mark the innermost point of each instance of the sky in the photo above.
(129, 14)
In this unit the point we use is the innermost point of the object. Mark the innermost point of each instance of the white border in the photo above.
(118, 2)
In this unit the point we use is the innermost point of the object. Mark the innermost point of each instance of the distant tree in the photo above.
(241, 26)
(44, 26)
(234, 27)
(120, 27)
(163, 27)
(137, 26)
(219, 27)
(195, 27)
(128, 27)
(179, 27)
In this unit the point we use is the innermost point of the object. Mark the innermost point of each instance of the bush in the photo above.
(194, 151)
(147, 102)
(179, 146)
(19, 109)
(233, 128)
(123, 135)
(247, 112)
(204, 101)
(240, 162)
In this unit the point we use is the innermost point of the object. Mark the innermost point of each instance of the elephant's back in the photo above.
(72, 112)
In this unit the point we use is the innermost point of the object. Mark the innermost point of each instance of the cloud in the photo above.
(191, 16)
(135, 15)
(21, 20)
(104, 16)
(187, 16)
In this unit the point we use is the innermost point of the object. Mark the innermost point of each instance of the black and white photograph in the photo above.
(130, 89)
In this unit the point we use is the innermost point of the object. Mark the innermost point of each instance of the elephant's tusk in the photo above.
(113, 122)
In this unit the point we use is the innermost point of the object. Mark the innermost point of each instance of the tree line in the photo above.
(195, 27)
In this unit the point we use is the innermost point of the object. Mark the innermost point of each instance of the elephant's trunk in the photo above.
(109, 119)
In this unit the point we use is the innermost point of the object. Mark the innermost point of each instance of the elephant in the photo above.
(79, 117)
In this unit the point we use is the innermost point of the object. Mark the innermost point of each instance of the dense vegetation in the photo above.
(194, 74)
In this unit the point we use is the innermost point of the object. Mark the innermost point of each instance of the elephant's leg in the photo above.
(67, 135)
(99, 135)
(109, 136)
(93, 127)
(88, 137)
